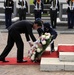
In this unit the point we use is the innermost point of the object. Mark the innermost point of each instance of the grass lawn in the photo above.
(31, 2)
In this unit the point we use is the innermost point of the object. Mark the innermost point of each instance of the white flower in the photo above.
(43, 42)
(34, 53)
(47, 37)
(36, 46)
(29, 52)
(43, 36)
(32, 57)
(47, 34)
(38, 49)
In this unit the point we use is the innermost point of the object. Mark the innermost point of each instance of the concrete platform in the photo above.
(51, 64)
(69, 66)
(54, 64)
(66, 56)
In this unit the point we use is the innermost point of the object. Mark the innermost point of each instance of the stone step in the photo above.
(66, 56)
(54, 64)
(69, 66)
(2, 16)
(51, 64)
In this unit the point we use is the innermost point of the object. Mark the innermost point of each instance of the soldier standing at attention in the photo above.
(38, 8)
(70, 13)
(23, 8)
(9, 6)
(53, 12)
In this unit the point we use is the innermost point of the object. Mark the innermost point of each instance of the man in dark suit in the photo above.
(38, 8)
(45, 27)
(70, 14)
(53, 12)
(9, 6)
(14, 36)
(23, 9)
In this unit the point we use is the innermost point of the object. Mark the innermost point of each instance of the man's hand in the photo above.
(30, 44)
(39, 44)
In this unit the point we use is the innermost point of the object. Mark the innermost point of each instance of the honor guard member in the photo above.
(23, 9)
(53, 12)
(38, 8)
(9, 6)
(70, 13)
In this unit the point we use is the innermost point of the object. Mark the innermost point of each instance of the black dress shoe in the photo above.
(21, 61)
(3, 60)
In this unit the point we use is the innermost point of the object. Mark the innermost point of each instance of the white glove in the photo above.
(41, 12)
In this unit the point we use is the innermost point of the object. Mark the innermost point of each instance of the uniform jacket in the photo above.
(9, 6)
(57, 4)
(68, 9)
(41, 4)
(26, 4)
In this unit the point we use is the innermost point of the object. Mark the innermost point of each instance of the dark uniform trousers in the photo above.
(70, 18)
(37, 14)
(53, 15)
(8, 13)
(8, 21)
(22, 14)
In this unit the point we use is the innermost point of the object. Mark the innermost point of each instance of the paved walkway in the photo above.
(30, 69)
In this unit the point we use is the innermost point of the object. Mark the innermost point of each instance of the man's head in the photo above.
(37, 24)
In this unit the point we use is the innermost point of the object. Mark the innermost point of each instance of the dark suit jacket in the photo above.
(48, 29)
(23, 27)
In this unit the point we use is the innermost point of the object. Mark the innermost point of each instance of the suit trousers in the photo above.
(14, 36)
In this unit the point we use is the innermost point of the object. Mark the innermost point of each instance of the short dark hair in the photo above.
(38, 22)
